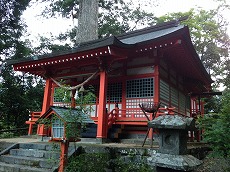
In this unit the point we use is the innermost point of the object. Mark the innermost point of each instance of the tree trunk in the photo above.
(87, 21)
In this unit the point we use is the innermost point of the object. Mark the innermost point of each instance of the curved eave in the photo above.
(91, 48)
(42, 66)
(203, 72)
(113, 49)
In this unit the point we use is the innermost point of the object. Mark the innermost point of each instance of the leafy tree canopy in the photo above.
(11, 26)
(217, 127)
(15, 90)
(115, 17)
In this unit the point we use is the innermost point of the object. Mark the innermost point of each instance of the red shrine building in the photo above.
(154, 64)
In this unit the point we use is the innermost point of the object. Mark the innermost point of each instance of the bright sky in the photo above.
(38, 25)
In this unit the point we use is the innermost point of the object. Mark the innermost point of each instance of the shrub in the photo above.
(93, 162)
(217, 128)
(6, 135)
(102, 162)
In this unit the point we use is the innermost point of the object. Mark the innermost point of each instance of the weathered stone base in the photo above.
(176, 162)
(102, 140)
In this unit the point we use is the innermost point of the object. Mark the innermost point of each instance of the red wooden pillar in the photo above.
(123, 99)
(63, 156)
(156, 93)
(30, 129)
(156, 84)
(102, 125)
(45, 106)
(123, 103)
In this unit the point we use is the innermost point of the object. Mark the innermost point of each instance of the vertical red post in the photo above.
(123, 99)
(47, 96)
(63, 156)
(30, 132)
(156, 84)
(123, 103)
(156, 94)
(46, 104)
(102, 115)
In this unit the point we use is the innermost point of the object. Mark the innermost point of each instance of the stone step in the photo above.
(35, 153)
(138, 141)
(30, 161)
(40, 146)
(4, 167)
(34, 157)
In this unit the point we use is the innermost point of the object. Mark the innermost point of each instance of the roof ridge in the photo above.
(160, 26)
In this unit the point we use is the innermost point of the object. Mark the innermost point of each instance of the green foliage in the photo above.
(73, 125)
(212, 104)
(62, 95)
(94, 162)
(6, 135)
(18, 96)
(45, 121)
(121, 16)
(217, 128)
(48, 46)
(86, 99)
(11, 27)
(102, 162)
(121, 166)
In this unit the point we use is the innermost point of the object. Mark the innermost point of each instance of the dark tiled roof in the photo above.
(150, 33)
(68, 114)
(126, 40)
(112, 40)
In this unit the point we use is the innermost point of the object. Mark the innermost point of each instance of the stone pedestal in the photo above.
(173, 143)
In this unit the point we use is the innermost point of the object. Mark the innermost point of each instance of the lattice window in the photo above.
(114, 92)
(58, 128)
(132, 106)
(140, 88)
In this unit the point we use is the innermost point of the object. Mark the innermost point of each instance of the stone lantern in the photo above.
(173, 136)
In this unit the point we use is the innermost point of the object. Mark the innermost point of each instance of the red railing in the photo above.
(33, 117)
(112, 117)
(134, 116)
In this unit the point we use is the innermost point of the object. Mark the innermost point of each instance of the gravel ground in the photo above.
(211, 164)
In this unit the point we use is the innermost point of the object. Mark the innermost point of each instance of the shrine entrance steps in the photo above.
(30, 157)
